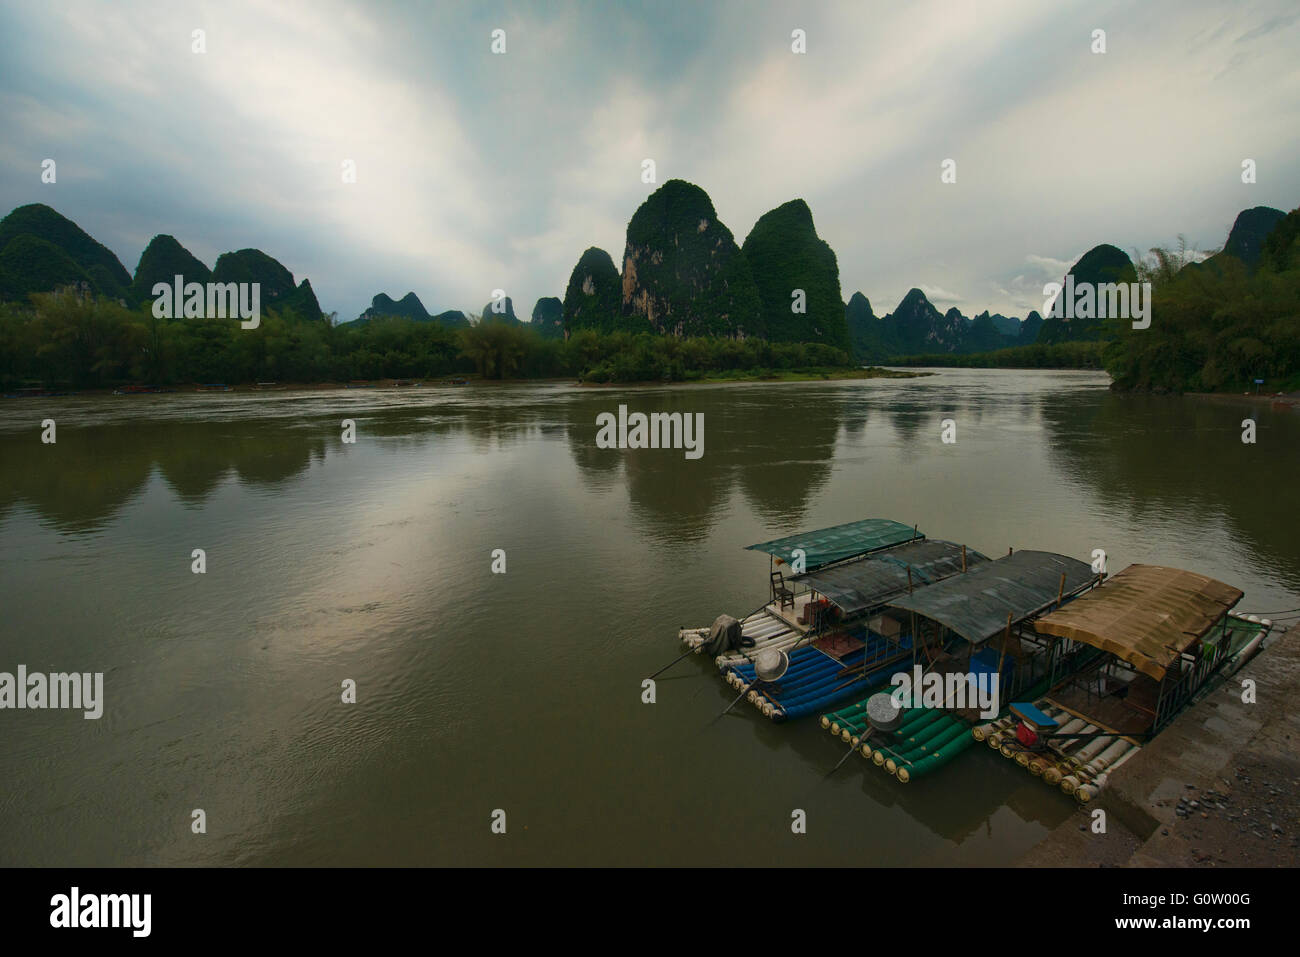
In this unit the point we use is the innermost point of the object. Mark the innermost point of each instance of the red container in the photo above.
(1026, 735)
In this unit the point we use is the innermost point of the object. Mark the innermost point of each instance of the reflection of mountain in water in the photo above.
(1185, 456)
(778, 453)
(79, 482)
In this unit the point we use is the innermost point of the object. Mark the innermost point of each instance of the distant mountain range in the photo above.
(41, 250)
(916, 327)
(683, 274)
(410, 307)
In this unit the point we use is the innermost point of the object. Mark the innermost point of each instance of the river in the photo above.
(371, 561)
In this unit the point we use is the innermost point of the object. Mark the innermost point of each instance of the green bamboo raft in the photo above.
(928, 738)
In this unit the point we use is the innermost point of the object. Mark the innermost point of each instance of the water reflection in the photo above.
(1183, 460)
(372, 561)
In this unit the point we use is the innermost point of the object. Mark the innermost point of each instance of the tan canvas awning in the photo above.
(1147, 615)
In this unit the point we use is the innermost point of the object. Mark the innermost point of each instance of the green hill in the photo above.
(162, 261)
(548, 317)
(682, 270)
(277, 287)
(593, 297)
(785, 254)
(1101, 264)
(96, 262)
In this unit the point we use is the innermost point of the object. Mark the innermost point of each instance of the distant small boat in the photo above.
(267, 386)
(359, 384)
(458, 381)
(214, 387)
(140, 390)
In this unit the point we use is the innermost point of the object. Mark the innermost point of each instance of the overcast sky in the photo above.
(478, 171)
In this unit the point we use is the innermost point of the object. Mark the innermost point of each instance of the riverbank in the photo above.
(1277, 400)
(747, 375)
(1220, 787)
(785, 375)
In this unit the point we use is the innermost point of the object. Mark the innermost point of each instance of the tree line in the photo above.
(71, 339)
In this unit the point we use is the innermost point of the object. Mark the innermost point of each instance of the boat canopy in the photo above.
(827, 545)
(1147, 615)
(975, 605)
(869, 582)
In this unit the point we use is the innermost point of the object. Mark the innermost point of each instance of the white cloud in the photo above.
(937, 294)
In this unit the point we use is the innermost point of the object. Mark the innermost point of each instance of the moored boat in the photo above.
(1135, 653)
(825, 622)
(968, 629)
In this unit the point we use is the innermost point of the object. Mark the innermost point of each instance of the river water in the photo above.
(521, 692)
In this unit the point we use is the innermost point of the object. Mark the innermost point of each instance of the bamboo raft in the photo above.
(927, 739)
(1092, 736)
(829, 620)
(964, 615)
(816, 679)
(767, 629)
(1100, 666)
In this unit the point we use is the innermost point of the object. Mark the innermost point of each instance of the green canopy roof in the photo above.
(976, 605)
(826, 545)
(868, 583)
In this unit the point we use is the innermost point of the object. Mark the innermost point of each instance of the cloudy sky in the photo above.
(478, 171)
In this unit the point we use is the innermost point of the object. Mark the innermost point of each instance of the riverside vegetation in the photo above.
(690, 304)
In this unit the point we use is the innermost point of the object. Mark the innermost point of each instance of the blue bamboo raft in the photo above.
(825, 619)
(816, 681)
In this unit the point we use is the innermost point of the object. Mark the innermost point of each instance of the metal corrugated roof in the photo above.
(870, 582)
(826, 545)
(1147, 615)
(975, 605)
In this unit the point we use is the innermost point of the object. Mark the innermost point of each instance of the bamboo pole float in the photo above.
(1087, 792)
(854, 748)
(1070, 762)
(1088, 772)
(737, 698)
(982, 731)
(1108, 757)
(1096, 747)
(1038, 765)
